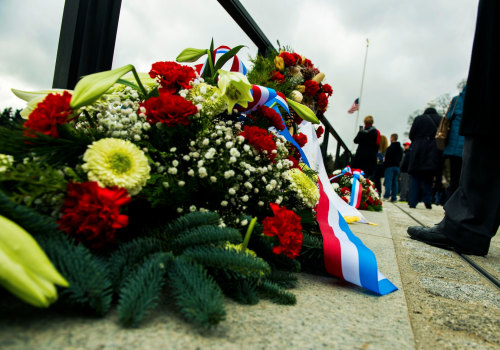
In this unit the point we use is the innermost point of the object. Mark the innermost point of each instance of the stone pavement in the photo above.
(442, 303)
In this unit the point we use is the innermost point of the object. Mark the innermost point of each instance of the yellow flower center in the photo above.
(120, 163)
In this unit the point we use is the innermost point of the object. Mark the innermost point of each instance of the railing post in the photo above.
(87, 40)
(324, 145)
(337, 155)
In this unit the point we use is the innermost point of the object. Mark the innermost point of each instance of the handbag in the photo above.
(444, 126)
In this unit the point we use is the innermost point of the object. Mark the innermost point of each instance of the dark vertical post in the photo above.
(87, 40)
(337, 157)
(246, 22)
(324, 145)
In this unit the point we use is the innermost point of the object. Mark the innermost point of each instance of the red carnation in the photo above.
(288, 58)
(285, 225)
(300, 138)
(273, 117)
(297, 57)
(312, 87)
(277, 76)
(345, 199)
(308, 63)
(172, 76)
(327, 89)
(319, 131)
(169, 109)
(363, 206)
(260, 139)
(91, 214)
(295, 162)
(322, 102)
(345, 190)
(49, 113)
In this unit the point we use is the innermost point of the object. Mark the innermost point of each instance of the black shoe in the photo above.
(430, 235)
(434, 236)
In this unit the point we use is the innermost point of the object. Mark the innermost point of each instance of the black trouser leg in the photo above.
(455, 170)
(472, 214)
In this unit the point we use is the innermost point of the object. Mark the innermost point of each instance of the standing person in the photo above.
(368, 139)
(472, 214)
(404, 192)
(425, 158)
(455, 144)
(393, 157)
(378, 174)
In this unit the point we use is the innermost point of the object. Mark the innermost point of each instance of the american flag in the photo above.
(354, 107)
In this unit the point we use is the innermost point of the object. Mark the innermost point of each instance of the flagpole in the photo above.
(361, 91)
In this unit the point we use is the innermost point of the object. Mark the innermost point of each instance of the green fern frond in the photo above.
(141, 290)
(128, 256)
(191, 220)
(241, 289)
(196, 294)
(87, 275)
(275, 293)
(221, 258)
(206, 235)
(283, 279)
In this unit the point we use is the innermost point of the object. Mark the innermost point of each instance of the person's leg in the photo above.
(455, 170)
(427, 182)
(414, 191)
(388, 182)
(405, 187)
(395, 182)
(472, 214)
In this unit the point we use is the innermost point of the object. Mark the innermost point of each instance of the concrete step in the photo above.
(442, 303)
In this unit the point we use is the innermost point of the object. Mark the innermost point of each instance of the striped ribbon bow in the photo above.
(356, 187)
(237, 65)
(264, 96)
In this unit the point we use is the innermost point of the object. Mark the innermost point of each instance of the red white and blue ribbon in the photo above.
(264, 96)
(345, 255)
(356, 187)
(237, 65)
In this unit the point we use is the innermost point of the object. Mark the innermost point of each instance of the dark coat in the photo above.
(366, 154)
(393, 155)
(425, 158)
(406, 161)
(480, 115)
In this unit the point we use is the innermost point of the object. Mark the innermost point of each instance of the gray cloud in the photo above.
(418, 49)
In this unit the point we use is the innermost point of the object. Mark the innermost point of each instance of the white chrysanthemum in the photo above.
(116, 162)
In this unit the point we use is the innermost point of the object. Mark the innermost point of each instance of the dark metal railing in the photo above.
(340, 144)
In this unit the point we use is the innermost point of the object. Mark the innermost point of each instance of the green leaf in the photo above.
(227, 56)
(93, 86)
(190, 55)
(303, 111)
(128, 83)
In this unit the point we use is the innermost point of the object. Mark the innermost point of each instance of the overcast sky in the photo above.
(418, 49)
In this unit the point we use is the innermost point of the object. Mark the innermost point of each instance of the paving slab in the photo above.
(450, 305)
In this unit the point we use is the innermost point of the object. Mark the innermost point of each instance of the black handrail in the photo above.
(340, 143)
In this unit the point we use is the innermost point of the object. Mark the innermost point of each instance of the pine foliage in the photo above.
(191, 220)
(284, 279)
(196, 294)
(275, 293)
(141, 289)
(241, 289)
(128, 256)
(205, 235)
(311, 255)
(30, 220)
(87, 274)
(232, 260)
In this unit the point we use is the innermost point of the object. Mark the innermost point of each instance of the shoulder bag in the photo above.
(443, 129)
